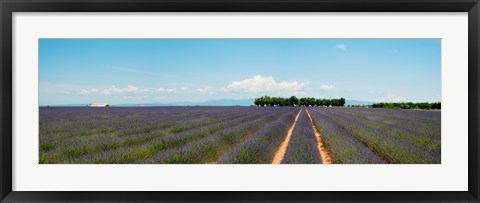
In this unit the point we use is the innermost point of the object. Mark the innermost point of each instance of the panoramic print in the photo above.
(239, 101)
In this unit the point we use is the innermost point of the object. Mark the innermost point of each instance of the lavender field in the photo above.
(238, 135)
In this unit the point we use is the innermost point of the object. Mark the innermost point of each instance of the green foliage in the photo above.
(294, 101)
(408, 105)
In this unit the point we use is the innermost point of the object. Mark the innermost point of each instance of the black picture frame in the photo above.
(7, 7)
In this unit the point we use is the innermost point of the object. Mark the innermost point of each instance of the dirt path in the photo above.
(324, 153)
(283, 147)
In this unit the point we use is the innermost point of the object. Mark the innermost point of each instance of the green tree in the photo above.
(311, 101)
(341, 102)
(268, 101)
(326, 102)
(257, 101)
(334, 102)
(302, 102)
(293, 101)
(260, 101)
(319, 102)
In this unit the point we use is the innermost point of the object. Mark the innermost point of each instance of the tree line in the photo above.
(294, 101)
(408, 105)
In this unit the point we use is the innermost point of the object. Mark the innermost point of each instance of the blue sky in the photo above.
(122, 71)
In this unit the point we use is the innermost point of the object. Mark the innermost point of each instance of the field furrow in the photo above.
(146, 150)
(425, 122)
(302, 148)
(262, 146)
(322, 147)
(345, 148)
(424, 142)
(209, 149)
(392, 148)
(77, 152)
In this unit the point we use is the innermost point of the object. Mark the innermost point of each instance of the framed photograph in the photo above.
(254, 101)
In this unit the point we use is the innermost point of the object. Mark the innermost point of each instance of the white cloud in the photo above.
(259, 83)
(328, 87)
(133, 90)
(204, 90)
(342, 47)
(168, 90)
(246, 88)
(130, 89)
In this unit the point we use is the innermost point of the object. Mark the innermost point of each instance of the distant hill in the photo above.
(220, 102)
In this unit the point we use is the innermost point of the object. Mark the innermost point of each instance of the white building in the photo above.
(98, 105)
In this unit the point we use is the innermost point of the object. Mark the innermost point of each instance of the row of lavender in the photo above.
(162, 134)
(356, 135)
(302, 148)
